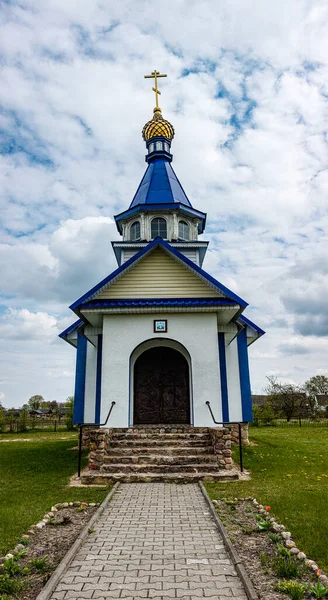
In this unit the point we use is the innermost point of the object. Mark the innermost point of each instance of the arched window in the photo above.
(135, 231)
(183, 230)
(158, 228)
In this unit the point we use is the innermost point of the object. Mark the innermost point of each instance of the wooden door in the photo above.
(161, 387)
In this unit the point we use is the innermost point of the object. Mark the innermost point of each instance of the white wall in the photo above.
(90, 384)
(196, 332)
(233, 380)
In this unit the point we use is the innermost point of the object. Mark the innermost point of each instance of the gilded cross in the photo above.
(155, 74)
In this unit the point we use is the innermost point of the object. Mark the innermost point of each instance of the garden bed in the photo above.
(269, 556)
(41, 550)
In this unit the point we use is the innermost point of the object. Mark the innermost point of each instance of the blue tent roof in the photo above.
(160, 185)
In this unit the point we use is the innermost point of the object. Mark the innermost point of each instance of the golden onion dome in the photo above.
(158, 126)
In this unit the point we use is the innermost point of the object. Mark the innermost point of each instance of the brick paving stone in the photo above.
(153, 540)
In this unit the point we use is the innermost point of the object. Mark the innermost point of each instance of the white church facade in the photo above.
(160, 336)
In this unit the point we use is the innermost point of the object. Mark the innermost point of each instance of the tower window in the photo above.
(183, 230)
(158, 228)
(135, 231)
(159, 146)
(151, 148)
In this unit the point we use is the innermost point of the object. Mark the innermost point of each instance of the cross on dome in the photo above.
(154, 75)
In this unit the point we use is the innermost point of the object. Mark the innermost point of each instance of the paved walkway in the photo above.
(154, 540)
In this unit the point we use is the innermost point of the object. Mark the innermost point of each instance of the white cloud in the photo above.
(247, 95)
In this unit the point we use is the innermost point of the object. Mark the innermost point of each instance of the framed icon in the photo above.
(160, 326)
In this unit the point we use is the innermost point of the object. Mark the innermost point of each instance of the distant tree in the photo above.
(22, 421)
(35, 402)
(317, 385)
(286, 399)
(69, 414)
(263, 414)
(2, 419)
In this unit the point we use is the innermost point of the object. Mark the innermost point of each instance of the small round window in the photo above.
(183, 230)
(135, 231)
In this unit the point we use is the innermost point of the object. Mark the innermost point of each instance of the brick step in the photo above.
(90, 478)
(120, 449)
(160, 436)
(155, 468)
(158, 443)
(160, 459)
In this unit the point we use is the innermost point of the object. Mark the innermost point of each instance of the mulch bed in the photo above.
(254, 547)
(52, 542)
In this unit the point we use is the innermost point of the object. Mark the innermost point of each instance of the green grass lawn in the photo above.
(289, 473)
(34, 475)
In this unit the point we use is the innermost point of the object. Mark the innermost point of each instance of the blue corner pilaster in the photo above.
(98, 378)
(245, 384)
(81, 361)
(223, 377)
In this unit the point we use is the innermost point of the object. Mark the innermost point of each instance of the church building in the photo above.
(159, 336)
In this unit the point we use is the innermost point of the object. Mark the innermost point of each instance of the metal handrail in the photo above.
(81, 425)
(239, 423)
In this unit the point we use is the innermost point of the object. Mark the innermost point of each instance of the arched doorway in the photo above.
(161, 387)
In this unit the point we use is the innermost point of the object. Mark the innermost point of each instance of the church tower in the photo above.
(160, 207)
(160, 342)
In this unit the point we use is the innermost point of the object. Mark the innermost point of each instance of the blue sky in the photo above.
(247, 94)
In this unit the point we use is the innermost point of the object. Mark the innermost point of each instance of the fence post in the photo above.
(240, 449)
(80, 453)
(55, 425)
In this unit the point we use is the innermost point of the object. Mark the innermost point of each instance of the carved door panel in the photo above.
(161, 387)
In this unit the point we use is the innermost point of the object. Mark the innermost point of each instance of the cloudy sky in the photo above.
(247, 94)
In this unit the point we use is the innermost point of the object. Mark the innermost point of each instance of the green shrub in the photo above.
(274, 537)
(293, 589)
(319, 590)
(12, 568)
(40, 564)
(22, 421)
(70, 412)
(285, 567)
(10, 586)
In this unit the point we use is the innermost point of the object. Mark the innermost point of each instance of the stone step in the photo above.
(160, 436)
(160, 459)
(159, 442)
(120, 449)
(156, 469)
(90, 478)
(162, 429)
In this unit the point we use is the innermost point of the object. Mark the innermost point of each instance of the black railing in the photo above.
(81, 425)
(239, 423)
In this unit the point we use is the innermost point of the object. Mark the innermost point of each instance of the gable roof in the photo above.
(175, 254)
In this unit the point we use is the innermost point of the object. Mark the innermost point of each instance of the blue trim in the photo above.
(245, 384)
(246, 321)
(79, 395)
(71, 328)
(223, 377)
(98, 378)
(158, 242)
(158, 302)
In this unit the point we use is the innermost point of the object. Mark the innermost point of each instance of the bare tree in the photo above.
(287, 399)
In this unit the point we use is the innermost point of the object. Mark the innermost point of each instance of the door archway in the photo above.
(161, 387)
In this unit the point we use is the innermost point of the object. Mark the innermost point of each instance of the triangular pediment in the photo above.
(158, 275)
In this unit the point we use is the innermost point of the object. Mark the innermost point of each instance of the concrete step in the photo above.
(160, 459)
(120, 449)
(156, 468)
(91, 478)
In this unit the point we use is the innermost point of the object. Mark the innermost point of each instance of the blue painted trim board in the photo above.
(245, 384)
(98, 378)
(223, 377)
(79, 395)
